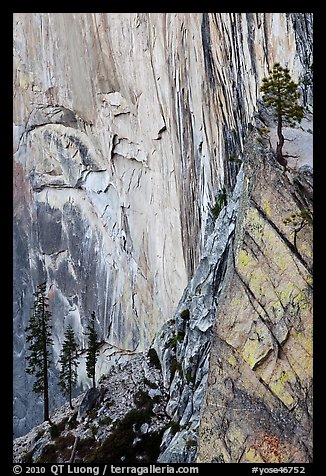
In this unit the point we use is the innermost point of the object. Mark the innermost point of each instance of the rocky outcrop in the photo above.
(258, 404)
(124, 426)
(184, 344)
(242, 389)
(88, 402)
(125, 128)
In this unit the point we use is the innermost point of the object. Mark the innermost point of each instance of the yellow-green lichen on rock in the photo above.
(262, 337)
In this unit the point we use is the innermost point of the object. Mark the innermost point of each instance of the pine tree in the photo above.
(38, 336)
(281, 93)
(298, 221)
(69, 363)
(92, 349)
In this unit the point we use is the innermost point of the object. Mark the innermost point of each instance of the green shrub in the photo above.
(175, 427)
(94, 429)
(57, 428)
(299, 219)
(220, 203)
(120, 443)
(190, 378)
(216, 209)
(260, 140)
(297, 222)
(106, 421)
(179, 337)
(54, 431)
(263, 130)
(191, 443)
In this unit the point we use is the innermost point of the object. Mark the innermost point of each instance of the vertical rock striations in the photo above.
(125, 128)
(184, 344)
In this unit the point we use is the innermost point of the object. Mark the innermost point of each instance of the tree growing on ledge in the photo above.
(38, 336)
(69, 363)
(92, 349)
(281, 94)
(298, 221)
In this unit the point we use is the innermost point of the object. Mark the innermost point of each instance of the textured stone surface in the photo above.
(123, 127)
(240, 346)
(186, 363)
(258, 403)
(119, 388)
(88, 402)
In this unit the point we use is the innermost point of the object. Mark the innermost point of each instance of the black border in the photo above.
(7, 212)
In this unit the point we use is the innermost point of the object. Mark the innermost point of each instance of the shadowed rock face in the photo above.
(123, 127)
(88, 402)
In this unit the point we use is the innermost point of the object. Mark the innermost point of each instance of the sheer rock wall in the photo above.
(124, 125)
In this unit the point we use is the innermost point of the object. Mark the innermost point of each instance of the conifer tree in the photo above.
(38, 336)
(298, 221)
(281, 93)
(92, 349)
(69, 363)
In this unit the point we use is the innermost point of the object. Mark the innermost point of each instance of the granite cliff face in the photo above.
(125, 129)
(259, 388)
(240, 372)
